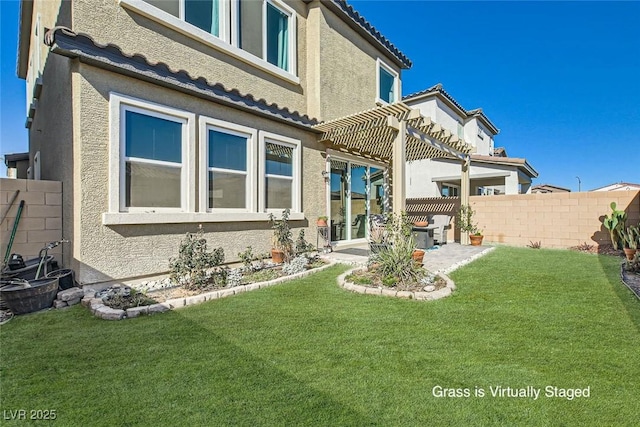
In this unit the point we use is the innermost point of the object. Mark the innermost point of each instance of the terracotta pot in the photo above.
(277, 256)
(475, 240)
(418, 255)
(421, 223)
(321, 223)
(630, 253)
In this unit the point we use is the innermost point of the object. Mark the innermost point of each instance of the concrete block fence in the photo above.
(41, 220)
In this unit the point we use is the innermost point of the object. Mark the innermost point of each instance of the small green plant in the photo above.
(247, 257)
(133, 299)
(193, 266)
(302, 245)
(534, 245)
(615, 224)
(282, 237)
(296, 265)
(464, 220)
(260, 276)
(630, 237)
(389, 281)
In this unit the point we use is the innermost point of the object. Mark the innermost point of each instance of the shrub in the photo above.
(282, 238)
(247, 257)
(302, 245)
(394, 259)
(234, 277)
(296, 265)
(192, 267)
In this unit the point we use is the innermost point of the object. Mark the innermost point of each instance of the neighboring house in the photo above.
(158, 116)
(17, 165)
(619, 186)
(492, 172)
(547, 188)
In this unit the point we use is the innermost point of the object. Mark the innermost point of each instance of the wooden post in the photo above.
(398, 168)
(465, 187)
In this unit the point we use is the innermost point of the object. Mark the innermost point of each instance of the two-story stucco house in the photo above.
(160, 115)
(492, 172)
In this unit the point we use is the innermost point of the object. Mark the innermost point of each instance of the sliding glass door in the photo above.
(357, 190)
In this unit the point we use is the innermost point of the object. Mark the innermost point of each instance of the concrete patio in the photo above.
(444, 258)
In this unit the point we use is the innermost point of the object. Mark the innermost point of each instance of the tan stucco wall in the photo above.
(108, 22)
(52, 127)
(124, 251)
(345, 82)
(336, 66)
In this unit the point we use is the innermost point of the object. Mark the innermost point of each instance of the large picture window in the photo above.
(227, 154)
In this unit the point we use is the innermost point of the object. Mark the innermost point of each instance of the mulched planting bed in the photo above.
(632, 280)
(372, 279)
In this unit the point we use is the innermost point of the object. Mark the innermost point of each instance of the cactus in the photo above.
(616, 225)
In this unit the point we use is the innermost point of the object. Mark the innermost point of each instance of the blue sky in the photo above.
(559, 79)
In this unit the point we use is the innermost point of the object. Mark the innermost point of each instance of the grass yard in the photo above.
(310, 353)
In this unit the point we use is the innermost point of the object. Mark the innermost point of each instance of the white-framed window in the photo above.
(460, 131)
(280, 170)
(207, 15)
(227, 167)
(259, 32)
(450, 190)
(388, 83)
(151, 158)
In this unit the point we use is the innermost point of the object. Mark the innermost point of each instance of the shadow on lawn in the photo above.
(174, 361)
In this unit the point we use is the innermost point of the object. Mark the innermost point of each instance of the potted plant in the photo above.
(418, 255)
(464, 221)
(630, 241)
(282, 240)
(322, 221)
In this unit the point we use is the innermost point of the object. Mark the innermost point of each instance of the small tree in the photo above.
(282, 237)
(464, 220)
(193, 265)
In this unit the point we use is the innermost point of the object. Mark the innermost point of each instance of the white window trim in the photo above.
(228, 42)
(120, 103)
(396, 82)
(207, 123)
(296, 197)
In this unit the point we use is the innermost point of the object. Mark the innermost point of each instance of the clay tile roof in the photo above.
(65, 42)
(468, 113)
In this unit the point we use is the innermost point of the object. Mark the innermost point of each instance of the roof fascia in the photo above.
(24, 37)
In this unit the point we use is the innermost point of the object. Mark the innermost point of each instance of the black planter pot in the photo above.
(65, 276)
(37, 295)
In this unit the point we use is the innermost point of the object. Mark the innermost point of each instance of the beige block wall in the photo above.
(41, 218)
(116, 252)
(557, 220)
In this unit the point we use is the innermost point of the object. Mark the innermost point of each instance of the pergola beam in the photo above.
(441, 146)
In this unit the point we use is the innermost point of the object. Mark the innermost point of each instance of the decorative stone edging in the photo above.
(421, 296)
(99, 309)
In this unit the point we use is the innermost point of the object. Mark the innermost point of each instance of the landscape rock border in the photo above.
(388, 292)
(102, 311)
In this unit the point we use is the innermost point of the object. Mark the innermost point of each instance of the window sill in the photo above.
(188, 30)
(140, 218)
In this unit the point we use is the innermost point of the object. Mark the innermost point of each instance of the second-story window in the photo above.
(204, 14)
(388, 84)
(261, 32)
(265, 29)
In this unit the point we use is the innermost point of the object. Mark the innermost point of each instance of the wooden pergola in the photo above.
(396, 134)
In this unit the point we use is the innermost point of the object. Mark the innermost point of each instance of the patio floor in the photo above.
(444, 258)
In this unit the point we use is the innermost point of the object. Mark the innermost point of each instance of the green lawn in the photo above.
(309, 353)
